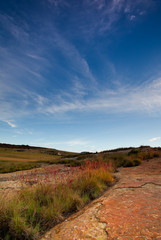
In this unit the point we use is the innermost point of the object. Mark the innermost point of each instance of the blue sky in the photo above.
(80, 75)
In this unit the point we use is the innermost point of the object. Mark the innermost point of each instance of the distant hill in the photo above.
(33, 148)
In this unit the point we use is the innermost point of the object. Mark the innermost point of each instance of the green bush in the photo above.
(133, 152)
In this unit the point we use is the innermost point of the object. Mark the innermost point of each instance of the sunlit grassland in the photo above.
(15, 159)
(26, 155)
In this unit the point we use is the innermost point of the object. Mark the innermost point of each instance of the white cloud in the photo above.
(76, 142)
(132, 17)
(40, 99)
(154, 139)
(142, 13)
(10, 123)
(78, 88)
(144, 98)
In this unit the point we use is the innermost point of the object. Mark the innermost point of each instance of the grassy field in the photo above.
(21, 158)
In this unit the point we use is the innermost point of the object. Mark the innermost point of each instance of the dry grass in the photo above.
(36, 209)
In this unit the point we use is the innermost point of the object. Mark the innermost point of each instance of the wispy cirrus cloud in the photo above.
(27, 72)
(18, 32)
(77, 64)
(144, 98)
(35, 46)
(102, 15)
(21, 101)
(24, 72)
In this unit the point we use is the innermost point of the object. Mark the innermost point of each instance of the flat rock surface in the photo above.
(131, 209)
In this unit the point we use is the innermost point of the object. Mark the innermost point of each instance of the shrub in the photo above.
(128, 163)
(136, 161)
(156, 154)
(133, 152)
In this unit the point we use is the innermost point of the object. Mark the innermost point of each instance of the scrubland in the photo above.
(40, 204)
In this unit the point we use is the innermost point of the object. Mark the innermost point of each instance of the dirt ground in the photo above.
(130, 210)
